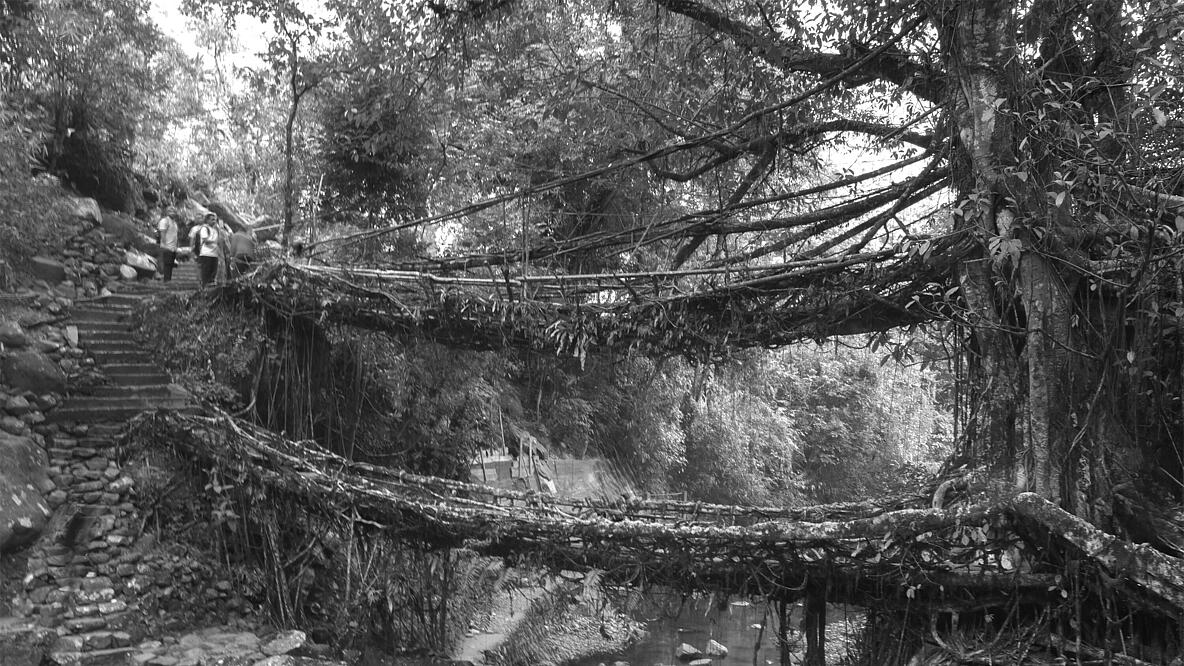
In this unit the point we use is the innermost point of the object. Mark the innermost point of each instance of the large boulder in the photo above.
(88, 209)
(228, 214)
(189, 212)
(32, 371)
(11, 335)
(23, 479)
(126, 230)
(45, 268)
(142, 262)
(715, 649)
(284, 642)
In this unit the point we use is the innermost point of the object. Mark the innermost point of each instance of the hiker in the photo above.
(166, 238)
(204, 238)
(242, 252)
(223, 232)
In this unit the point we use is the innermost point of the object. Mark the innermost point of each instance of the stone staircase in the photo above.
(136, 380)
(84, 574)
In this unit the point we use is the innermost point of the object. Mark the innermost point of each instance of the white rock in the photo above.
(88, 209)
(284, 642)
(127, 272)
(686, 651)
(716, 649)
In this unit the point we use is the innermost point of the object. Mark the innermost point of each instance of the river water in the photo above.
(736, 626)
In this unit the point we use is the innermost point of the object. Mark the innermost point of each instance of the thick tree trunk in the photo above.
(1020, 305)
(289, 172)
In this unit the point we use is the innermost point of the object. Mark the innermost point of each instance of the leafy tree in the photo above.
(856, 418)
(93, 67)
(215, 129)
(293, 55)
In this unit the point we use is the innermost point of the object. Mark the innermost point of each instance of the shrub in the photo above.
(209, 348)
(33, 211)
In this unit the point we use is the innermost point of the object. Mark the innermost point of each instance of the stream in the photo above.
(736, 626)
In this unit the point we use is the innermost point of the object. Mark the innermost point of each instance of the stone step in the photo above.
(113, 300)
(133, 373)
(86, 409)
(141, 379)
(121, 356)
(110, 657)
(90, 330)
(80, 316)
(104, 431)
(145, 391)
(112, 341)
(119, 299)
(87, 328)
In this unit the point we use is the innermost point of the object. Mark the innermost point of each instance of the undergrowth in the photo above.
(33, 210)
(210, 349)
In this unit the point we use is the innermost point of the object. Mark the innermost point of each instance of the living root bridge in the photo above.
(967, 556)
(577, 314)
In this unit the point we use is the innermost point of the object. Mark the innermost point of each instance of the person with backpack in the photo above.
(242, 252)
(166, 238)
(204, 238)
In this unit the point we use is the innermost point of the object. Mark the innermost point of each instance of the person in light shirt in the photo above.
(205, 239)
(166, 238)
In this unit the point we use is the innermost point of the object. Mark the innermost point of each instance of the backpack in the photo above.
(197, 240)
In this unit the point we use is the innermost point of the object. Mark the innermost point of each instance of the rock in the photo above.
(47, 346)
(715, 649)
(45, 268)
(700, 662)
(284, 642)
(12, 335)
(31, 371)
(231, 660)
(687, 652)
(87, 209)
(125, 230)
(14, 426)
(72, 335)
(143, 263)
(287, 660)
(17, 405)
(128, 272)
(23, 513)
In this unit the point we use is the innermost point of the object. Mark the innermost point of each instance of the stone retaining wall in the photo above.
(82, 573)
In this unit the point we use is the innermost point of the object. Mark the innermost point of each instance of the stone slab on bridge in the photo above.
(579, 478)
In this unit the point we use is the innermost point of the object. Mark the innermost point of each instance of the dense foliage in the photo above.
(1006, 170)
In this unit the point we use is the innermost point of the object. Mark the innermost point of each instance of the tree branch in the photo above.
(892, 67)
